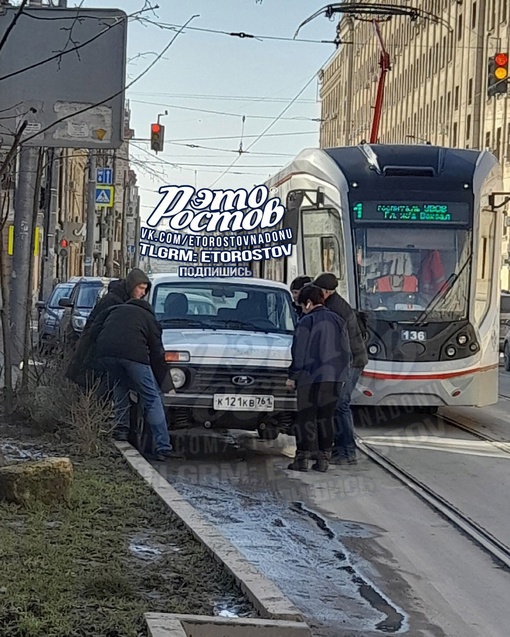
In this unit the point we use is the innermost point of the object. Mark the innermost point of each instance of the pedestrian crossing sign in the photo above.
(104, 196)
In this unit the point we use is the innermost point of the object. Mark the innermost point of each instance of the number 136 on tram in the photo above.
(413, 238)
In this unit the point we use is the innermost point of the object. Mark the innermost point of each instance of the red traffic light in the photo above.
(63, 243)
(155, 128)
(501, 59)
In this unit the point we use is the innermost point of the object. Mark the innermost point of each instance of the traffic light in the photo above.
(64, 244)
(498, 75)
(157, 137)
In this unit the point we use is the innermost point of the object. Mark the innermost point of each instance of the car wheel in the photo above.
(268, 433)
(139, 435)
(506, 354)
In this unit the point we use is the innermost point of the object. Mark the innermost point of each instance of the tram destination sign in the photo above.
(411, 212)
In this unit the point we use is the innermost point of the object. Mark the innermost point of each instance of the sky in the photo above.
(233, 76)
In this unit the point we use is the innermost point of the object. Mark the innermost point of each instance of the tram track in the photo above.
(476, 532)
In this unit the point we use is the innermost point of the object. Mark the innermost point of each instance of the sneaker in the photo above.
(342, 460)
(163, 456)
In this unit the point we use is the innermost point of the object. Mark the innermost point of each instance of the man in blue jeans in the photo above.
(130, 349)
(344, 451)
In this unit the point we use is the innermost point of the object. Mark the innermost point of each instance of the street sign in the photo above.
(48, 83)
(104, 176)
(104, 196)
(131, 249)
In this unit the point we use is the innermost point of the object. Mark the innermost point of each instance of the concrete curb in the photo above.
(265, 596)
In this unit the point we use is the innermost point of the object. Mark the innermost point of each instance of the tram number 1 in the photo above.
(414, 335)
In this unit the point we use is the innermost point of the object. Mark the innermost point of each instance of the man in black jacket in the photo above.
(84, 369)
(135, 286)
(344, 451)
(130, 349)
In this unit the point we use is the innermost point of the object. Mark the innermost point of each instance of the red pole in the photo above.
(384, 63)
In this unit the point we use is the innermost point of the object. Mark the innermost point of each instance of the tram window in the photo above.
(322, 242)
(402, 272)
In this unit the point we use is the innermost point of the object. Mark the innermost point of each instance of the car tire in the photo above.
(506, 354)
(139, 434)
(268, 433)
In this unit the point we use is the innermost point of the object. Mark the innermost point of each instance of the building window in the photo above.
(473, 15)
(454, 135)
(493, 15)
(504, 11)
(468, 127)
(459, 27)
(488, 140)
(456, 98)
(470, 90)
(498, 144)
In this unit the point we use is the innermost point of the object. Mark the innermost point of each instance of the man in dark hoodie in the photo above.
(84, 369)
(135, 286)
(130, 349)
(344, 451)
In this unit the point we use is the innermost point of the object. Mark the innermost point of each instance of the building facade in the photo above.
(436, 90)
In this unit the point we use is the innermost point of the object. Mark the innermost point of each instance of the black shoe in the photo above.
(342, 460)
(323, 460)
(163, 456)
(300, 462)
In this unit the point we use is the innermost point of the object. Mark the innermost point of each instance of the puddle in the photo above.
(144, 551)
(229, 607)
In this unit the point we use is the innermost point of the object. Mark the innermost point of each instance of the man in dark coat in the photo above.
(344, 451)
(84, 369)
(130, 349)
(295, 288)
(321, 361)
(135, 286)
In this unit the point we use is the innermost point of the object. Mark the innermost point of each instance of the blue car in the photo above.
(51, 314)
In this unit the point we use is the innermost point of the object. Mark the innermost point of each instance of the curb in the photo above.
(265, 596)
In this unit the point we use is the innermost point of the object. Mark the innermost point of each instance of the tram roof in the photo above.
(367, 162)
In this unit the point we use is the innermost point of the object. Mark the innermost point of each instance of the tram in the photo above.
(411, 235)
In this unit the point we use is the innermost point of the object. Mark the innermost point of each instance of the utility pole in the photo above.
(123, 239)
(111, 224)
(50, 223)
(136, 257)
(23, 230)
(91, 216)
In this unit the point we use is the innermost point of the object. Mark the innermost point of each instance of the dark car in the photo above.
(78, 307)
(50, 314)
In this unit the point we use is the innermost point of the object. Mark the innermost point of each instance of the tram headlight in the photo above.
(373, 349)
(451, 351)
(462, 339)
(473, 347)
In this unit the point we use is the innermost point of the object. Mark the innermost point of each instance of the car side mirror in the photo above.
(40, 305)
(65, 303)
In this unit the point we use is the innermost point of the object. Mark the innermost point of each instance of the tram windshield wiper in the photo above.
(448, 286)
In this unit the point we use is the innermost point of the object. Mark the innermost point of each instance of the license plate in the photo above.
(234, 402)
(414, 335)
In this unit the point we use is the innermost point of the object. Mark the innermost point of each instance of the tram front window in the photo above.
(404, 273)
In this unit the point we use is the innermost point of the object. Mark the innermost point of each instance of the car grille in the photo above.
(214, 381)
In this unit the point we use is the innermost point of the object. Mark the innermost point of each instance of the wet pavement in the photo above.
(241, 485)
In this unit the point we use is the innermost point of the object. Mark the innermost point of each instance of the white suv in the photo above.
(228, 342)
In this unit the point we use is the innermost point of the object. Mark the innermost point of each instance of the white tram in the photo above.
(411, 236)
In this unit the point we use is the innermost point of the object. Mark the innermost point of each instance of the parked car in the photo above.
(50, 314)
(504, 319)
(228, 344)
(78, 307)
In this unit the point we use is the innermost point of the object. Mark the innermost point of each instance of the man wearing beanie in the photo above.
(295, 288)
(344, 451)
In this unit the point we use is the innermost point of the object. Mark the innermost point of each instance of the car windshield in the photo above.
(219, 305)
(408, 274)
(60, 292)
(87, 295)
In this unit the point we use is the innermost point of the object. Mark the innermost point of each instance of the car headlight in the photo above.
(78, 322)
(178, 377)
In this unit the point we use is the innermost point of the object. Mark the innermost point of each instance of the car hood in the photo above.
(226, 347)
